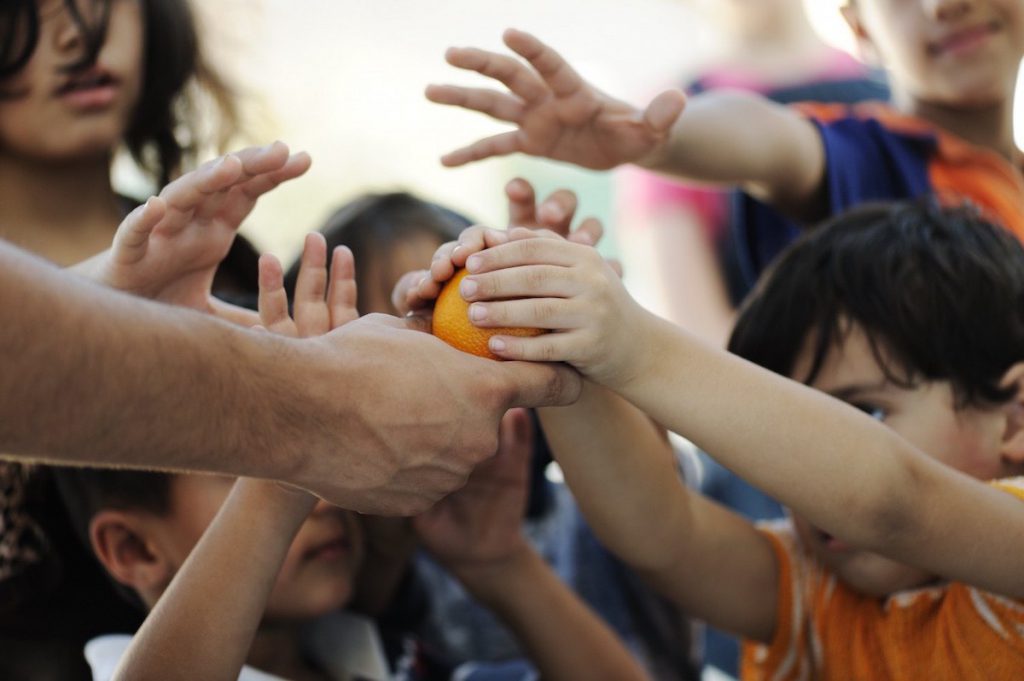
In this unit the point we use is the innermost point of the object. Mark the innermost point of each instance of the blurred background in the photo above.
(344, 80)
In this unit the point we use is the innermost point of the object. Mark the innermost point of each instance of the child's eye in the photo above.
(872, 410)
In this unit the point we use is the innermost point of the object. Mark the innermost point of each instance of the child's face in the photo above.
(967, 439)
(381, 272)
(318, 572)
(963, 53)
(55, 115)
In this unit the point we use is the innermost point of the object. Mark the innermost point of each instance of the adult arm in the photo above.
(374, 416)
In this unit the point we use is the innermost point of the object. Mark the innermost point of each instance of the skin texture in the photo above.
(873, 485)
(230, 577)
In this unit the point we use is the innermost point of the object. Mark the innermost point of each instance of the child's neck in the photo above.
(65, 212)
(277, 650)
(990, 127)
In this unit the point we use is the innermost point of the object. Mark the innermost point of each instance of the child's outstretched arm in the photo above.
(842, 470)
(732, 139)
(169, 248)
(204, 623)
(476, 533)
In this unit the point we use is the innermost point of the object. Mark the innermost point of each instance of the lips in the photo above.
(89, 90)
(964, 40)
(90, 79)
(333, 547)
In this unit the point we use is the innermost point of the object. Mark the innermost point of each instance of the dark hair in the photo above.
(163, 133)
(87, 491)
(938, 291)
(372, 224)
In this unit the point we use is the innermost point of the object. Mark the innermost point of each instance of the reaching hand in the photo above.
(557, 114)
(417, 290)
(537, 279)
(169, 248)
(481, 524)
(323, 301)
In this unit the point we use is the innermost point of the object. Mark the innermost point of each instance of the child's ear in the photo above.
(865, 45)
(1013, 434)
(125, 549)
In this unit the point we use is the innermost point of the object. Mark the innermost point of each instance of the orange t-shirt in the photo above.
(828, 632)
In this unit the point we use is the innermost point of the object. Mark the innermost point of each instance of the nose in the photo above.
(68, 34)
(948, 10)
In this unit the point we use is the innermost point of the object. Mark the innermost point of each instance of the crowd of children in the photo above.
(873, 381)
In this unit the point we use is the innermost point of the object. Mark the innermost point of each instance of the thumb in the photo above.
(537, 384)
(664, 110)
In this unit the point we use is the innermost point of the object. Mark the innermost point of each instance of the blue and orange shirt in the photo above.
(874, 153)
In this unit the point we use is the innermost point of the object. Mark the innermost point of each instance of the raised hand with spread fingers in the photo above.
(169, 248)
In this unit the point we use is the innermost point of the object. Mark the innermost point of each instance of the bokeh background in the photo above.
(344, 80)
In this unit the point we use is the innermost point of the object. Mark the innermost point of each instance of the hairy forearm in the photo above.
(743, 140)
(91, 376)
(562, 636)
(602, 441)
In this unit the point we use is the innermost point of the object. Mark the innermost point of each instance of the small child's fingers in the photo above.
(132, 237)
(341, 290)
(540, 249)
(559, 76)
(520, 233)
(310, 305)
(616, 266)
(265, 159)
(557, 211)
(504, 68)
(522, 202)
(589, 232)
(474, 240)
(273, 301)
(502, 144)
(527, 281)
(530, 313)
(405, 290)
(295, 166)
(192, 190)
(547, 347)
(664, 110)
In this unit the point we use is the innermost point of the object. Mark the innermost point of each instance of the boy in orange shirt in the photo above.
(900, 456)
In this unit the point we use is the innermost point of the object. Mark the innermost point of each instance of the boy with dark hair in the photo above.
(901, 469)
(952, 68)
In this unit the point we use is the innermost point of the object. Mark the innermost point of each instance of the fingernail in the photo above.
(468, 287)
(477, 312)
(496, 344)
(474, 263)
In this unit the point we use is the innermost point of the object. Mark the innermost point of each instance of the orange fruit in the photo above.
(452, 325)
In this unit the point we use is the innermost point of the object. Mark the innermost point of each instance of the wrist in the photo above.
(492, 581)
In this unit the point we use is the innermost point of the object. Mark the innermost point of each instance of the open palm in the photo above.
(169, 249)
(557, 114)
